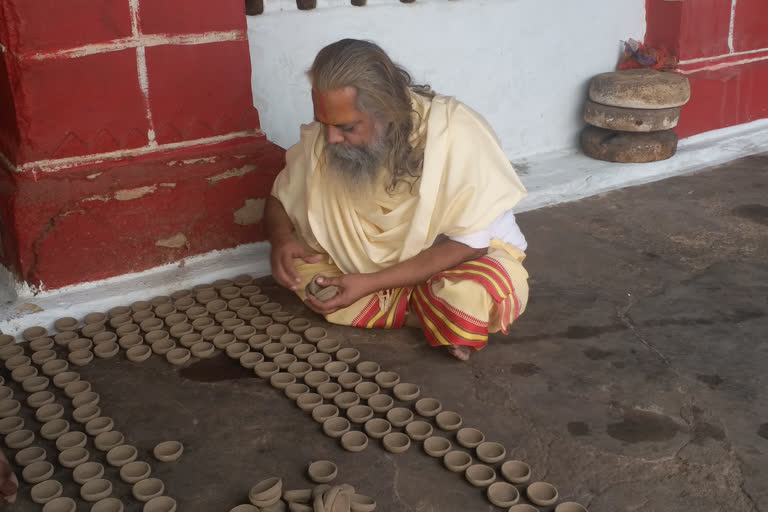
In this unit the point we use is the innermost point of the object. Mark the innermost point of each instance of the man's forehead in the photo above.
(336, 107)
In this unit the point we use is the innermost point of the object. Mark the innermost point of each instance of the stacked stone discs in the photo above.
(632, 114)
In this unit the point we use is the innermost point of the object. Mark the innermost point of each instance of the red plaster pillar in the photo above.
(128, 137)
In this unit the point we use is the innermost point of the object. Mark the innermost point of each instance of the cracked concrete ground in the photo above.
(635, 381)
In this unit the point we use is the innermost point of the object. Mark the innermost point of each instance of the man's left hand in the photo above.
(352, 287)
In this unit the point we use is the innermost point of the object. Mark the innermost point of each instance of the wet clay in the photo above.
(321, 293)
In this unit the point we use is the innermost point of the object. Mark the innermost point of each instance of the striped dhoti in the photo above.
(459, 306)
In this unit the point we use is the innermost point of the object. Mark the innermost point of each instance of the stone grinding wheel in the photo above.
(628, 147)
(640, 88)
(322, 293)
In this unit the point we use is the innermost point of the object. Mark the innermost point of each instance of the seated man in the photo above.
(403, 200)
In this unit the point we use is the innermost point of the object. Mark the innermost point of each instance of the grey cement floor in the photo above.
(635, 380)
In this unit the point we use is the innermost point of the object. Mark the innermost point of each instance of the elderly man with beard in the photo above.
(402, 199)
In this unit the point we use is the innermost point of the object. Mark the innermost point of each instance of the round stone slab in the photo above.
(640, 88)
(628, 147)
(631, 119)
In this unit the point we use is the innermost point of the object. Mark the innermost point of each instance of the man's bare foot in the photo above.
(459, 352)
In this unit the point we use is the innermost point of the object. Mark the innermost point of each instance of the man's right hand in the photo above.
(284, 251)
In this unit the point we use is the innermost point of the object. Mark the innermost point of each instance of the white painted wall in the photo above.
(523, 64)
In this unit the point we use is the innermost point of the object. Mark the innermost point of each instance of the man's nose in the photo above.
(334, 135)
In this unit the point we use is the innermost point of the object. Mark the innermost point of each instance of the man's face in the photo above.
(343, 122)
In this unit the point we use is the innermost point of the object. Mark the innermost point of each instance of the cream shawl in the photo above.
(467, 182)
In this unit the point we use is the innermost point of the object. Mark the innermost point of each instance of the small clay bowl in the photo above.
(178, 356)
(151, 324)
(86, 413)
(181, 329)
(230, 292)
(145, 490)
(381, 403)
(366, 389)
(377, 428)
(180, 294)
(418, 430)
(32, 333)
(37, 472)
(98, 425)
(160, 504)
(503, 495)
(80, 357)
(19, 439)
(168, 451)
(542, 494)
(73, 439)
(108, 505)
(318, 360)
(354, 441)
(46, 491)
(308, 401)
(304, 350)
(107, 441)
(480, 475)
(126, 329)
(362, 503)
(266, 492)
(103, 337)
(29, 455)
(329, 390)
(86, 398)
(329, 346)
(349, 380)
(135, 471)
(222, 341)
(23, 373)
(95, 318)
(60, 504)
(270, 308)
(298, 368)
(436, 446)
(41, 344)
(448, 420)
(273, 350)
(293, 391)
(55, 367)
(164, 346)
(266, 369)
(209, 333)
(11, 424)
(54, 429)
(160, 301)
(387, 380)
(231, 324)
(295, 496)
(244, 281)
(245, 313)
(165, 310)
(206, 296)
(154, 336)
(348, 355)
(359, 414)
(396, 442)
(41, 357)
(336, 427)
(323, 412)
(570, 506)
(17, 362)
(399, 416)
(490, 452)
(6, 340)
(203, 350)
(315, 378)
(251, 359)
(121, 320)
(121, 455)
(87, 471)
(196, 313)
(258, 299)
(259, 341)
(9, 407)
(49, 412)
(282, 316)
(106, 349)
(470, 437)
(283, 361)
(73, 457)
(428, 407)
(457, 461)
(91, 330)
(346, 399)
(315, 334)
(406, 392)
(299, 325)
(237, 350)
(336, 368)
(62, 379)
(6, 393)
(77, 387)
(282, 380)
(177, 318)
(138, 353)
(291, 340)
(69, 323)
(275, 331)
(261, 323)
(9, 351)
(322, 471)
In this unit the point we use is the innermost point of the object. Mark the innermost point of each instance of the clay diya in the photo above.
(323, 412)
(329, 390)
(261, 322)
(377, 428)
(348, 355)
(141, 316)
(299, 325)
(542, 494)
(85, 398)
(315, 378)
(418, 430)
(230, 292)
(503, 495)
(98, 425)
(266, 369)
(160, 504)
(62, 379)
(108, 505)
(9, 407)
(73, 457)
(18, 361)
(11, 424)
(359, 414)
(436, 446)
(37, 472)
(361, 503)
(258, 299)
(270, 308)
(275, 331)
(6, 393)
(209, 333)
(75, 388)
(10, 351)
(103, 337)
(55, 367)
(336, 427)
(322, 471)
(259, 341)
(381, 403)
(23, 373)
(283, 361)
(106, 350)
(191, 339)
(428, 407)
(91, 330)
(86, 413)
(251, 359)
(60, 504)
(406, 392)
(354, 441)
(141, 305)
(457, 461)
(366, 389)
(196, 313)
(34, 332)
(386, 380)
(138, 353)
(348, 380)
(336, 368)
(203, 350)
(126, 329)
(121, 455)
(41, 344)
(266, 493)
(448, 420)
(282, 316)
(154, 336)
(176, 319)
(328, 345)
(68, 323)
(168, 451)
(87, 471)
(120, 320)
(304, 350)
(54, 429)
(299, 368)
(145, 490)
(49, 412)
(178, 356)
(273, 350)
(233, 323)
(29, 455)
(470, 437)
(237, 350)
(206, 296)
(293, 391)
(315, 334)
(73, 439)
(291, 340)
(135, 471)
(106, 441)
(46, 491)
(396, 442)
(319, 360)
(308, 401)
(222, 341)
(80, 357)
(399, 416)
(480, 475)
(491, 452)
(282, 380)
(223, 316)
(346, 400)
(181, 329)
(570, 506)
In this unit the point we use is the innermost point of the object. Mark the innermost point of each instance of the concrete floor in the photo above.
(635, 380)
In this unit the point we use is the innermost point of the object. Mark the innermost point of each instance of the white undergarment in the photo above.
(504, 228)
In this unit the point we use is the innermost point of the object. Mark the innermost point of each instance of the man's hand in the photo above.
(284, 251)
(352, 287)
(8, 482)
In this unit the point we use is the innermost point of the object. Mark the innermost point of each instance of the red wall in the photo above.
(123, 124)
(722, 46)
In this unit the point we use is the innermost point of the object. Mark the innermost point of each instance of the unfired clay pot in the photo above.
(275, 331)
(135, 471)
(108, 505)
(165, 310)
(469, 437)
(106, 349)
(304, 350)
(121, 455)
(86, 413)
(283, 361)
(160, 504)
(23, 373)
(30, 454)
(258, 299)
(55, 367)
(436, 446)
(66, 323)
(118, 310)
(46, 491)
(11, 424)
(503, 494)
(80, 357)
(168, 451)
(259, 341)
(41, 344)
(490, 452)
(348, 355)
(251, 359)
(232, 324)
(270, 308)
(266, 369)
(315, 334)
(91, 330)
(290, 340)
(273, 350)
(346, 399)
(87, 471)
(54, 429)
(399, 416)
(266, 493)
(176, 319)
(386, 380)
(396, 442)
(164, 346)
(34, 332)
(480, 475)
(206, 296)
(348, 380)
(329, 390)
(366, 389)
(282, 317)
(319, 360)
(141, 305)
(145, 490)
(322, 471)
(315, 378)
(377, 428)
(9, 407)
(86, 398)
(17, 362)
(178, 356)
(449, 420)
(293, 391)
(237, 350)
(570, 506)
(381, 403)
(323, 412)
(282, 380)
(106, 441)
(62, 379)
(151, 324)
(98, 425)
(153, 337)
(74, 439)
(406, 392)
(222, 341)
(209, 333)
(49, 412)
(60, 504)
(6, 393)
(354, 441)
(10, 351)
(329, 346)
(418, 430)
(428, 407)
(299, 368)
(37, 472)
(308, 401)
(457, 461)
(103, 337)
(336, 368)
(73, 457)
(203, 350)
(188, 340)
(126, 329)
(336, 427)
(6, 340)
(75, 388)
(141, 316)
(121, 320)
(359, 414)
(196, 313)
(299, 325)
(542, 494)
(261, 323)
(181, 329)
